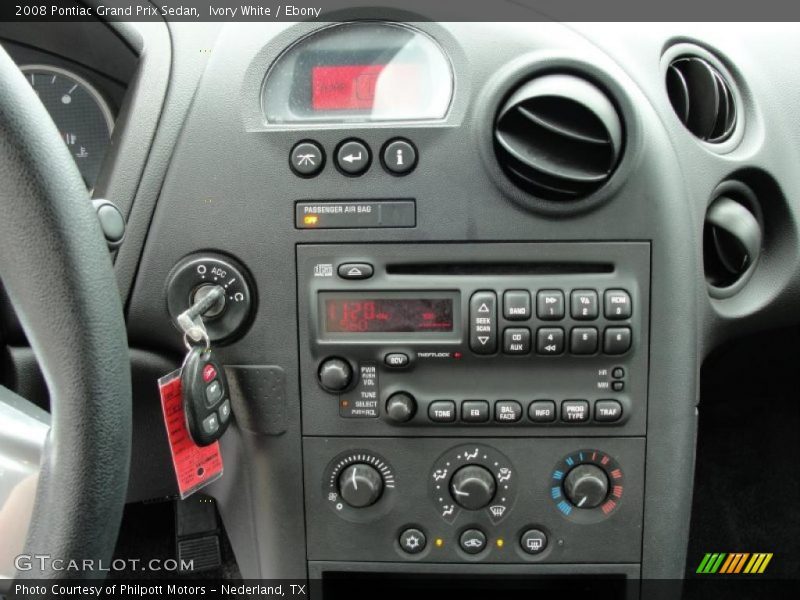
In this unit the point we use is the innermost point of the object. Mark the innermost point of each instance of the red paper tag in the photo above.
(195, 466)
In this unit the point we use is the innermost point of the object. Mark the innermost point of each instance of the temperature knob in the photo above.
(360, 485)
(586, 486)
(473, 487)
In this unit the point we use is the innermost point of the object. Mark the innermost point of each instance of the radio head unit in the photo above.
(484, 339)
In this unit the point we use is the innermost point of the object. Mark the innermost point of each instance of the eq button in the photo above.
(483, 322)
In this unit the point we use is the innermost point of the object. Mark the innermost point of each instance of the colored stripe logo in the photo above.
(734, 563)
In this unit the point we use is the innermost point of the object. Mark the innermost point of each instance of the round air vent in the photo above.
(701, 98)
(558, 137)
(731, 241)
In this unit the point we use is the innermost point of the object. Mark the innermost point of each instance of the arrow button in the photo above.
(483, 322)
(353, 157)
(355, 270)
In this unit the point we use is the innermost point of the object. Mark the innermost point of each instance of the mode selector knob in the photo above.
(400, 407)
(586, 486)
(360, 485)
(473, 487)
(335, 375)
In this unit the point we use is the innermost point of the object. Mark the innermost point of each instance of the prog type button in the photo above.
(575, 411)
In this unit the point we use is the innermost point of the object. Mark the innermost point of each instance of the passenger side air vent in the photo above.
(731, 241)
(701, 98)
(558, 137)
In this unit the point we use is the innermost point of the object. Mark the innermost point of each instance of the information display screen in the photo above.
(355, 87)
(388, 315)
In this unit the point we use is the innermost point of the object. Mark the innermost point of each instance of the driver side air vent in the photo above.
(558, 137)
(701, 98)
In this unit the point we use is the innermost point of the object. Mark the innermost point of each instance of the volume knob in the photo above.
(360, 485)
(335, 375)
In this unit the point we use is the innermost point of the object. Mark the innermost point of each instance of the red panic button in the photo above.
(209, 373)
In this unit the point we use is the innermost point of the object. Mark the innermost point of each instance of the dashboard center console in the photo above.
(474, 402)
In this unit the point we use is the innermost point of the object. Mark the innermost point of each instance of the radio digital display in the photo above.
(388, 315)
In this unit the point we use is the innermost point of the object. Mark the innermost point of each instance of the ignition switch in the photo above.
(195, 276)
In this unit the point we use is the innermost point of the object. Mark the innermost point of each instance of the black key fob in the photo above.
(205, 396)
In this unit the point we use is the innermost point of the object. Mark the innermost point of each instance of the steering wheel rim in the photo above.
(57, 272)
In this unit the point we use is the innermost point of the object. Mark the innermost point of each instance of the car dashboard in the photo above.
(470, 272)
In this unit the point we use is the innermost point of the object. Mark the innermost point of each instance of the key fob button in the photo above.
(211, 424)
(209, 373)
(225, 411)
(213, 393)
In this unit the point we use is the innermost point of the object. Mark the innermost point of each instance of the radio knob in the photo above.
(360, 485)
(473, 487)
(400, 407)
(586, 486)
(335, 375)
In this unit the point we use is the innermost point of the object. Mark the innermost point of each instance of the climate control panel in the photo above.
(502, 500)
(477, 339)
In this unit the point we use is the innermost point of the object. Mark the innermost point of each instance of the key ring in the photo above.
(203, 337)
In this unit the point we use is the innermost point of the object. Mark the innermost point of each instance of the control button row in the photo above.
(353, 157)
(539, 411)
(472, 541)
(551, 305)
(550, 341)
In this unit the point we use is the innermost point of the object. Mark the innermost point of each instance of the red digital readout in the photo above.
(354, 87)
(389, 315)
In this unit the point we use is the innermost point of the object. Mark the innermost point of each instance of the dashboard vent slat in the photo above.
(702, 98)
(558, 137)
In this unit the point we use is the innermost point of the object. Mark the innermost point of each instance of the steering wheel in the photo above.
(56, 269)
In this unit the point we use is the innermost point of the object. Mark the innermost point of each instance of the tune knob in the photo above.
(335, 375)
(473, 487)
(400, 407)
(360, 485)
(586, 486)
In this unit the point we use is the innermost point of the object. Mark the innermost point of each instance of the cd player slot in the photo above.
(499, 268)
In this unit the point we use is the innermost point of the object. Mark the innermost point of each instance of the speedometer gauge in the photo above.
(79, 111)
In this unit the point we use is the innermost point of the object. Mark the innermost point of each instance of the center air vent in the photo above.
(702, 98)
(558, 137)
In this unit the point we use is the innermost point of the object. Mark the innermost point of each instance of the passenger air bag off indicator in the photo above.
(356, 214)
